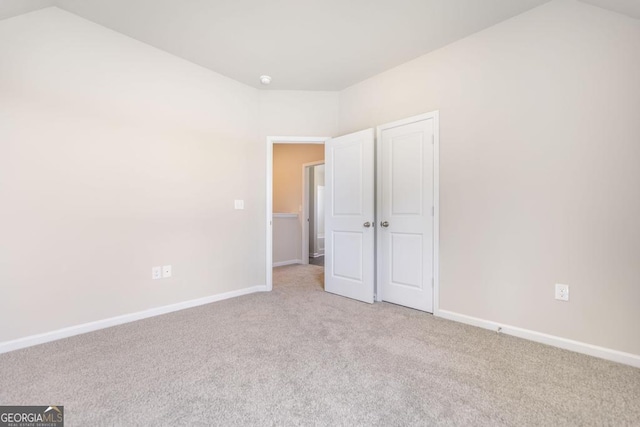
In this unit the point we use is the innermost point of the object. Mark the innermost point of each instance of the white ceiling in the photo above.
(627, 7)
(9, 8)
(302, 44)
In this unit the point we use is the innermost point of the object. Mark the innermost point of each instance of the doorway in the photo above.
(313, 213)
(382, 246)
(279, 216)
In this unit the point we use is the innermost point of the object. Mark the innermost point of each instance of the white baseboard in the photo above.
(289, 262)
(552, 340)
(118, 320)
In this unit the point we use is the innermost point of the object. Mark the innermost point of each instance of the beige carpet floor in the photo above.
(300, 356)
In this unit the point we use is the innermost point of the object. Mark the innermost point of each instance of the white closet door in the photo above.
(405, 213)
(349, 215)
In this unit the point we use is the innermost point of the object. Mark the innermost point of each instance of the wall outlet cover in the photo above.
(156, 272)
(562, 292)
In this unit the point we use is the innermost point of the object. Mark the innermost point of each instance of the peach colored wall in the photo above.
(287, 173)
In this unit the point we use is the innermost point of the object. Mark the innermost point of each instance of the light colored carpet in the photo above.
(300, 356)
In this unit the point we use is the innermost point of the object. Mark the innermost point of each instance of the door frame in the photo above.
(435, 115)
(269, 187)
(305, 208)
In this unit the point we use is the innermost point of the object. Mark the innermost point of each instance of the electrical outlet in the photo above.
(562, 292)
(166, 271)
(156, 273)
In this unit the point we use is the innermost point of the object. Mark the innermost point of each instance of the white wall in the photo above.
(298, 113)
(115, 157)
(539, 168)
(286, 239)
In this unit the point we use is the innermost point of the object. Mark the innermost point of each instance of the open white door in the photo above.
(349, 216)
(406, 208)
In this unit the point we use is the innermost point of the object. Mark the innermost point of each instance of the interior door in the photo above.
(349, 216)
(405, 213)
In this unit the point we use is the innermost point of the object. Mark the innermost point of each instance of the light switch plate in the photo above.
(238, 204)
(166, 271)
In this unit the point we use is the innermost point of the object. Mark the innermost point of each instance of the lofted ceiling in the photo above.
(302, 44)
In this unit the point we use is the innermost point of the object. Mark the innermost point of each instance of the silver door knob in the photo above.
(367, 224)
(384, 223)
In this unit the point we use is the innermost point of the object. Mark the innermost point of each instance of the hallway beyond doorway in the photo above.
(317, 260)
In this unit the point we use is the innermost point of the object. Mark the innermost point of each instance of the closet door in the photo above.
(349, 215)
(406, 212)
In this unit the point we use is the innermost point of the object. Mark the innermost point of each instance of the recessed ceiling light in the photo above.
(265, 80)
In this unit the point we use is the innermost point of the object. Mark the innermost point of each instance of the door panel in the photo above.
(405, 253)
(347, 174)
(406, 174)
(347, 255)
(405, 179)
(349, 198)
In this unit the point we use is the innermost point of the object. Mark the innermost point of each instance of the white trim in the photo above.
(269, 189)
(298, 139)
(285, 215)
(269, 227)
(378, 214)
(409, 120)
(289, 262)
(552, 340)
(304, 223)
(119, 320)
(435, 115)
(436, 211)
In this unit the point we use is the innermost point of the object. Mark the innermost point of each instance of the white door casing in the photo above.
(406, 214)
(305, 222)
(349, 216)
